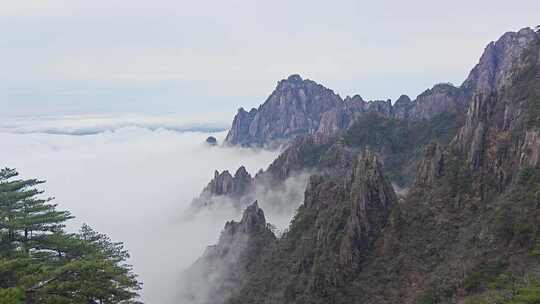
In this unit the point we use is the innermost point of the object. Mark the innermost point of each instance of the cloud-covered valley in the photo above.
(133, 183)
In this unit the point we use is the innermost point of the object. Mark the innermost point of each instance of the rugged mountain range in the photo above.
(303, 107)
(467, 228)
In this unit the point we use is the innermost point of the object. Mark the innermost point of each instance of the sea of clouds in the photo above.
(132, 179)
(98, 123)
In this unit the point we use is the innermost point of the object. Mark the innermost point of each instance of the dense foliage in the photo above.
(401, 143)
(42, 263)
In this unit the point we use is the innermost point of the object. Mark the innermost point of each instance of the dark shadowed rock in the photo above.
(211, 140)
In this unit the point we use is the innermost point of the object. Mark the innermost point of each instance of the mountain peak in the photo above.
(253, 221)
(403, 99)
(253, 218)
(496, 65)
(295, 78)
(226, 184)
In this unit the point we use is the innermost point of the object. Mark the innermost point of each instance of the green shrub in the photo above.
(429, 297)
(11, 296)
(527, 295)
(503, 282)
(536, 249)
(485, 274)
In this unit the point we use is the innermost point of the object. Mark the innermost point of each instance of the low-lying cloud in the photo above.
(93, 124)
(278, 201)
(134, 183)
(216, 274)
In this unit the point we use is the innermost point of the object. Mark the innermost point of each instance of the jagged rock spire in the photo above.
(225, 184)
(431, 167)
(364, 195)
(252, 219)
(223, 265)
(372, 198)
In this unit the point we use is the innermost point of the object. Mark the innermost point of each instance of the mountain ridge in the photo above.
(466, 228)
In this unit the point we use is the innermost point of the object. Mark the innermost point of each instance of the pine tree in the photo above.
(23, 215)
(41, 263)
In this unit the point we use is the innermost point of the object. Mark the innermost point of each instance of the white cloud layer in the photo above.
(92, 124)
(134, 184)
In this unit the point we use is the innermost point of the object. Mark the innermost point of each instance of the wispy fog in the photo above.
(279, 202)
(133, 183)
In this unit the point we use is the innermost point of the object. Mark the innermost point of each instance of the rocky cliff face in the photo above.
(499, 60)
(403, 107)
(501, 129)
(225, 185)
(465, 231)
(442, 98)
(431, 167)
(302, 107)
(214, 276)
(331, 235)
(295, 107)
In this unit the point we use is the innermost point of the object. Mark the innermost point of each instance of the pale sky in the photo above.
(192, 57)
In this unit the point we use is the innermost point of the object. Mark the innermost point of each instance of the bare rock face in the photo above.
(253, 220)
(221, 184)
(242, 182)
(299, 107)
(530, 151)
(295, 107)
(499, 61)
(239, 133)
(402, 107)
(501, 128)
(442, 98)
(302, 107)
(225, 185)
(431, 167)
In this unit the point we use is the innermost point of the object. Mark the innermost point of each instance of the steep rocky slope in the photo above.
(467, 231)
(225, 185)
(302, 107)
(330, 237)
(214, 276)
(399, 143)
